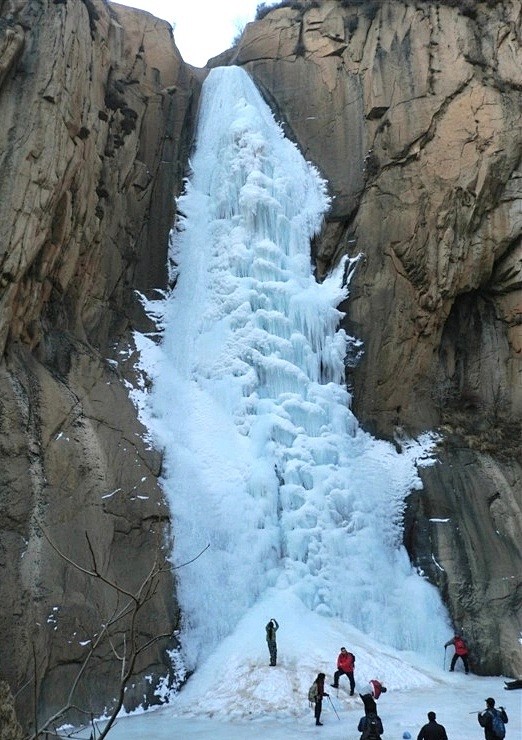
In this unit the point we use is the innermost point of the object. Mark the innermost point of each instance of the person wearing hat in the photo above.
(492, 718)
(432, 731)
(345, 666)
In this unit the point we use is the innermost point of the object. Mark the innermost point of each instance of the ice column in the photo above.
(263, 458)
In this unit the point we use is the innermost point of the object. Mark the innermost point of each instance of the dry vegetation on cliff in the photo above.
(369, 7)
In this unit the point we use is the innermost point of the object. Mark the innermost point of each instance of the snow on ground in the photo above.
(236, 695)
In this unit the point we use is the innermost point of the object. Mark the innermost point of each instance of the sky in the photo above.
(296, 510)
(202, 28)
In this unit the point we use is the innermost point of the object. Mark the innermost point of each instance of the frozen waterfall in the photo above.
(264, 460)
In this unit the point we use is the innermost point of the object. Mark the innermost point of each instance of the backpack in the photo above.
(460, 646)
(497, 725)
(312, 693)
(372, 728)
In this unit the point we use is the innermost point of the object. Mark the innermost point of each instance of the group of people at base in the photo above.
(370, 726)
(491, 719)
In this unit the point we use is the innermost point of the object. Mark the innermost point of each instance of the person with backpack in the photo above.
(370, 693)
(315, 695)
(493, 721)
(271, 629)
(345, 666)
(461, 651)
(432, 731)
(370, 726)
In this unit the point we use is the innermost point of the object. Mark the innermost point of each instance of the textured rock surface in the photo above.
(96, 108)
(412, 113)
(9, 726)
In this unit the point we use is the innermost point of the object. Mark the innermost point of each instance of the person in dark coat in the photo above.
(316, 695)
(461, 651)
(432, 731)
(516, 684)
(485, 718)
(345, 667)
(271, 629)
(370, 726)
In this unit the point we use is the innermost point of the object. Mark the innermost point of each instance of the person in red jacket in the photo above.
(345, 666)
(461, 651)
(370, 693)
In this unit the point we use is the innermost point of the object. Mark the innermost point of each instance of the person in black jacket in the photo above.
(485, 718)
(271, 629)
(370, 726)
(432, 731)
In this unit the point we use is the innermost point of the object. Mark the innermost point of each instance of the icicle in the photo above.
(263, 458)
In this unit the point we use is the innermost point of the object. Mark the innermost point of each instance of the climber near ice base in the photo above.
(461, 651)
(345, 667)
(369, 693)
(271, 629)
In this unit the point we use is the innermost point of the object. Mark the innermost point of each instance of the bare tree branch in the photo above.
(177, 567)
(128, 654)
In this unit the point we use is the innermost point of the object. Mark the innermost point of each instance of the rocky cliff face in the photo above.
(96, 110)
(412, 113)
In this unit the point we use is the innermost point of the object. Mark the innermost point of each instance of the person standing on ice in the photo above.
(271, 629)
(370, 693)
(493, 720)
(370, 726)
(315, 695)
(432, 730)
(345, 667)
(461, 651)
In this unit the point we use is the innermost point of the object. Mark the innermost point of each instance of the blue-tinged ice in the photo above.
(264, 460)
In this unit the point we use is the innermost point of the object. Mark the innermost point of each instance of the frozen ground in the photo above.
(235, 695)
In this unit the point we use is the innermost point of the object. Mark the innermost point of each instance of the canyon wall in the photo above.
(97, 109)
(411, 111)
